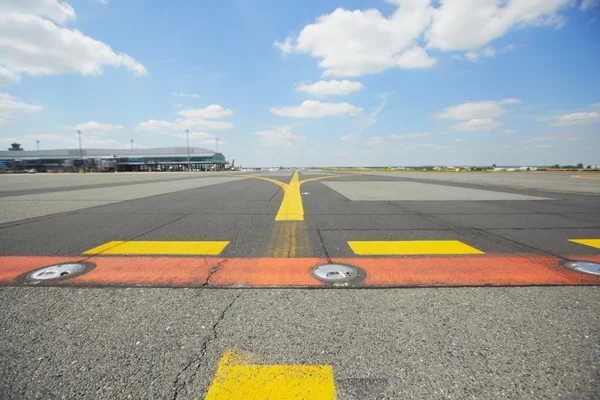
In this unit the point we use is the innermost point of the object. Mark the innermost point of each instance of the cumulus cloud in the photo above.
(97, 128)
(578, 118)
(188, 95)
(213, 111)
(409, 135)
(330, 88)
(476, 110)
(317, 109)
(351, 43)
(34, 43)
(11, 106)
(278, 137)
(510, 131)
(478, 124)
(471, 24)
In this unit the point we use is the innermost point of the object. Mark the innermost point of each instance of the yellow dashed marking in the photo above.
(412, 247)
(160, 248)
(233, 380)
(587, 242)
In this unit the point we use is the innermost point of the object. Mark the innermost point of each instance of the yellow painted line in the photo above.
(411, 247)
(587, 242)
(163, 248)
(289, 239)
(321, 178)
(275, 181)
(291, 208)
(273, 382)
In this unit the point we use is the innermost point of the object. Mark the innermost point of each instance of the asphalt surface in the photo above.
(430, 342)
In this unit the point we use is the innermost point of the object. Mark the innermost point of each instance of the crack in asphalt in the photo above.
(194, 364)
(212, 271)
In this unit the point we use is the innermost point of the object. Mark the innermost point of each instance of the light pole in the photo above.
(37, 142)
(131, 141)
(80, 151)
(217, 140)
(187, 133)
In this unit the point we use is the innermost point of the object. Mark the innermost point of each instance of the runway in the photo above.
(201, 283)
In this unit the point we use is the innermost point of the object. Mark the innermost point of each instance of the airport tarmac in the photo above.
(200, 285)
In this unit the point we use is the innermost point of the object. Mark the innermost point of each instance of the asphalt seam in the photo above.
(195, 363)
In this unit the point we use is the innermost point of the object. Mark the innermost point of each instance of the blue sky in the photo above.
(312, 83)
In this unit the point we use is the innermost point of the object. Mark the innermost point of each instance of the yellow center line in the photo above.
(290, 235)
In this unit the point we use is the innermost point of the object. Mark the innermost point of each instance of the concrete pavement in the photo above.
(116, 340)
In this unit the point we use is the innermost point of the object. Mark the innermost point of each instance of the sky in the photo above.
(308, 83)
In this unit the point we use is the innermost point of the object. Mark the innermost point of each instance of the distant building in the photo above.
(15, 147)
(156, 159)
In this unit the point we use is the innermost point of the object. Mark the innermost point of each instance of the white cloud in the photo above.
(354, 43)
(415, 57)
(317, 109)
(97, 128)
(102, 1)
(51, 137)
(375, 140)
(347, 139)
(570, 136)
(579, 118)
(8, 77)
(188, 95)
(589, 4)
(471, 24)
(351, 43)
(476, 110)
(329, 88)
(180, 125)
(489, 51)
(456, 57)
(286, 46)
(510, 131)
(52, 9)
(510, 101)
(595, 105)
(33, 44)
(213, 111)
(478, 124)
(409, 135)
(11, 106)
(472, 56)
(459, 140)
(278, 137)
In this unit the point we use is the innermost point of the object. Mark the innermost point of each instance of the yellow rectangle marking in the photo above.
(160, 248)
(254, 382)
(412, 247)
(587, 242)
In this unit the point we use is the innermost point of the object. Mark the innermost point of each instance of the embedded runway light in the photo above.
(338, 274)
(586, 267)
(57, 272)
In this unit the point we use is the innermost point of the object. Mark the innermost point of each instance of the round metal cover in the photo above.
(53, 273)
(56, 271)
(586, 267)
(337, 273)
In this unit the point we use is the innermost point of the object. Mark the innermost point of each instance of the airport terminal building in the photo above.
(156, 159)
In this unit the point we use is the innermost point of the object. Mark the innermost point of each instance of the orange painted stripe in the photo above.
(504, 270)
